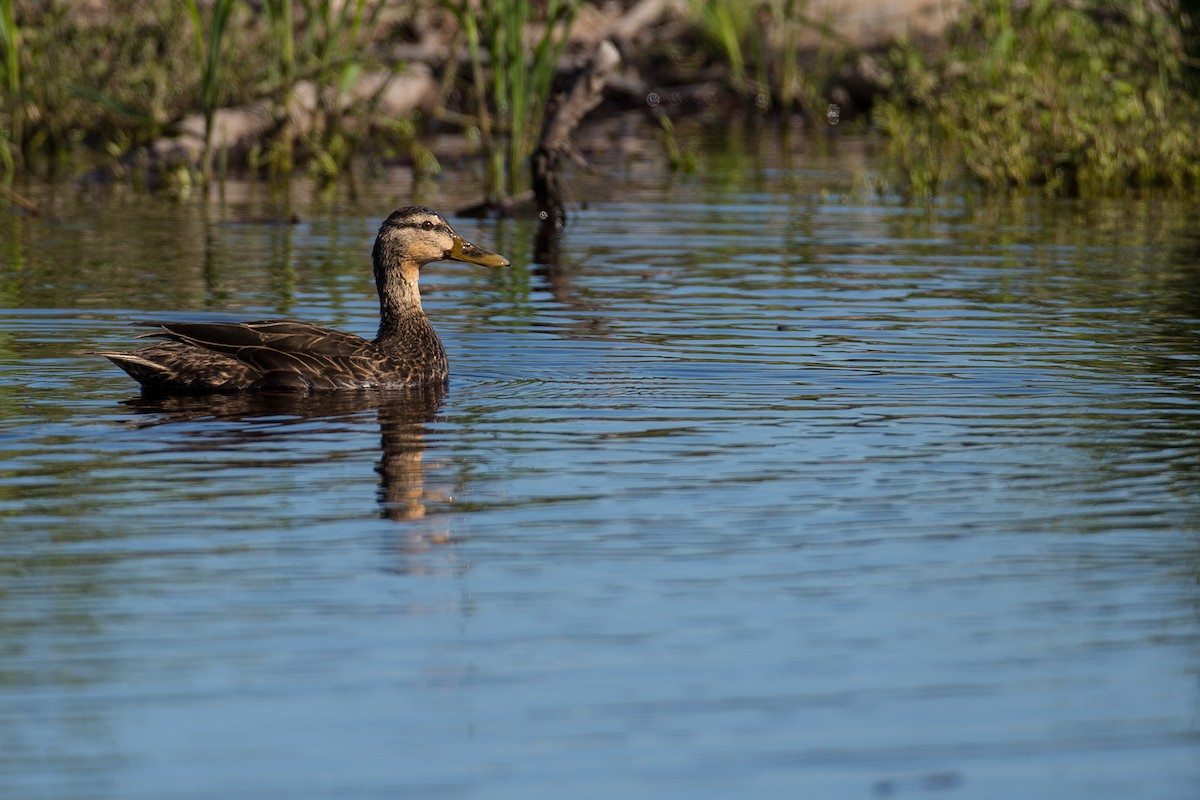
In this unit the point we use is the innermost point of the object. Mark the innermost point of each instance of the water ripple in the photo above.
(754, 486)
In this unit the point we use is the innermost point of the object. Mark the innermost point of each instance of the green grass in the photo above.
(511, 82)
(762, 43)
(211, 46)
(1087, 98)
(88, 88)
(10, 43)
(334, 52)
(283, 45)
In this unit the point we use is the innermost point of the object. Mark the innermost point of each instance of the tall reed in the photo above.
(210, 55)
(283, 41)
(332, 52)
(10, 40)
(336, 53)
(727, 23)
(766, 38)
(515, 78)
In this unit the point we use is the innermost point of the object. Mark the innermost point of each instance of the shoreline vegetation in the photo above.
(1089, 97)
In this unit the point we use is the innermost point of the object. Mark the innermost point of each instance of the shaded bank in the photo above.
(1085, 97)
(116, 83)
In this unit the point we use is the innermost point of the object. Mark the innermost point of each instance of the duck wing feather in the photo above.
(285, 353)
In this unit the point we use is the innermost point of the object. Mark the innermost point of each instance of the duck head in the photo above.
(417, 235)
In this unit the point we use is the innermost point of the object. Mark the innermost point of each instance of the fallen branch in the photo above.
(237, 130)
(20, 200)
(584, 95)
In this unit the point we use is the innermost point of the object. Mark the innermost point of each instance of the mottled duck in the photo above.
(286, 355)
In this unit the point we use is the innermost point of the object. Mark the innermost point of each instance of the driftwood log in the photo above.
(554, 143)
(567, 109)
(236, 130)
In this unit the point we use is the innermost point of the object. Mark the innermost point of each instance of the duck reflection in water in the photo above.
(404, 493)
(281, 369)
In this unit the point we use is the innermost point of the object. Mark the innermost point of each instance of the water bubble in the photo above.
(653, 99)
(833, 114)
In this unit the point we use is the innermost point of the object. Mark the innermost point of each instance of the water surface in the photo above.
(760, 482)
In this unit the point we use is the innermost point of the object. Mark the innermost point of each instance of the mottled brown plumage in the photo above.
(287, 355)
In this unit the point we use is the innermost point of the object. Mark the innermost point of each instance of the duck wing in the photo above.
(283, 354)
(176, 367)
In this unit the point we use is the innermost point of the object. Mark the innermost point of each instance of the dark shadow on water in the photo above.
(402, 414)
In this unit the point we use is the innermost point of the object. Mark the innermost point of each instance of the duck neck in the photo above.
(405, 334)
(399, 301)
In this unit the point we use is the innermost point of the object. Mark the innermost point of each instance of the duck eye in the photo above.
(427, 225)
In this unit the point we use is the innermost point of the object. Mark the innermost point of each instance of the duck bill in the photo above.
(462, 250)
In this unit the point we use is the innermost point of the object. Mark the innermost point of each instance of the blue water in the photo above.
(771, 485)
